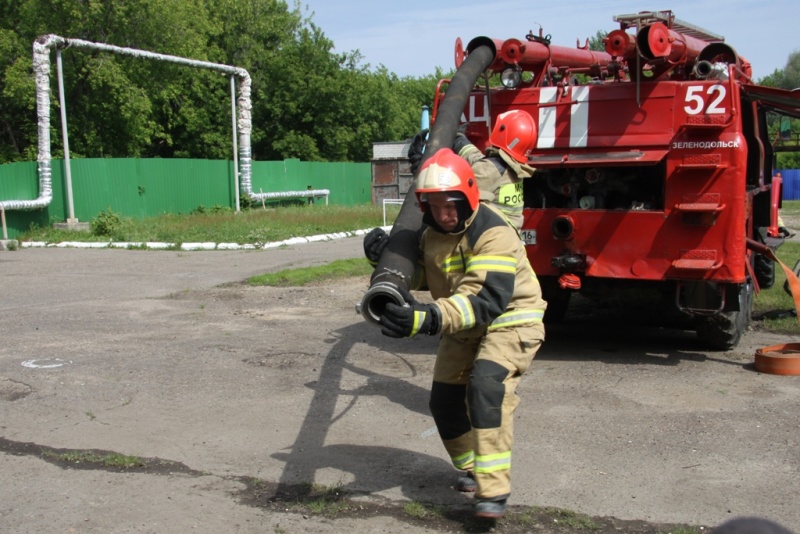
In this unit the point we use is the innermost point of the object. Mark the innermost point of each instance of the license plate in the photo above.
(528, 236)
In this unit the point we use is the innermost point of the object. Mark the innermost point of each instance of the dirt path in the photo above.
(241, 400)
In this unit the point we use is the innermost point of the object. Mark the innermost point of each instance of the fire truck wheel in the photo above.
(724, 330)
(764, 269)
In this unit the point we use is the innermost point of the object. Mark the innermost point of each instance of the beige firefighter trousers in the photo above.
(473, 399)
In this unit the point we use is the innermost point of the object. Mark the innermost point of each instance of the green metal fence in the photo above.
(142, 188)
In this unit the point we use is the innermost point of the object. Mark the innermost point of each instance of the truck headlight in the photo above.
(511, 77)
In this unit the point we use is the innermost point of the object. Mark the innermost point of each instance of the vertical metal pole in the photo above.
(3, 217)
(235, 142)
(65, 136)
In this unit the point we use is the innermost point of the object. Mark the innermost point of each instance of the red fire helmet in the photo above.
(447, 172)
(514, 132)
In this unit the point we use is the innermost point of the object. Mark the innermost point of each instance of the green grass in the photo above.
(105, 460)
(323, 500)
(254, 226)
(307, 275)
(573, 520)
(790, 212)
(774, 303)
(420, 510)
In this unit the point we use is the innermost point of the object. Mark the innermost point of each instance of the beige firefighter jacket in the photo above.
(499, 184)
(480, 278)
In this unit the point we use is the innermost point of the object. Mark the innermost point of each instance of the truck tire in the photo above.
(764, 269)
(724, 330)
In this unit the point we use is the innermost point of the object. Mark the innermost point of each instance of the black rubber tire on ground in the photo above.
(724, 330)
(764, 269)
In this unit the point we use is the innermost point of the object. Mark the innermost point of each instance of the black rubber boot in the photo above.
(466, 483)
(490, 509)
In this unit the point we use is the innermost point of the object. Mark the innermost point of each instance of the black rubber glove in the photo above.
(374, 243)
(416, 150)
(410, 320)
(460, 142)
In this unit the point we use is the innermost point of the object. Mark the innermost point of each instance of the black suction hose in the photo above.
(396, 265)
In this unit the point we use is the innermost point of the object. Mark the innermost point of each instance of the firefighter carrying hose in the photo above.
(499, 171)
(488, 309)
(502, 168)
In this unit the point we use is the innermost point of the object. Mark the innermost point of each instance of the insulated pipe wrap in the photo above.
(41, 72)
(398, 260)
(41, 69)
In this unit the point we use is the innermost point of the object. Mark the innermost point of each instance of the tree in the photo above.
(115, 105)
(786, 78)
(597, 43)
(17, 89)
(308, 102)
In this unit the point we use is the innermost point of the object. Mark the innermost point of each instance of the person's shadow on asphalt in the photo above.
(374, 468)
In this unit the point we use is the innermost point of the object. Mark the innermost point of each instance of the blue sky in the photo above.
(413, 37)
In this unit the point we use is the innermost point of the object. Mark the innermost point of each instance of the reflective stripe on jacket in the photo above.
(481, 277)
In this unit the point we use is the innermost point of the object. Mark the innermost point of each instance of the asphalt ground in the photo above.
(166, 355)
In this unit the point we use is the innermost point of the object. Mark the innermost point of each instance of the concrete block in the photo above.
(72, 225)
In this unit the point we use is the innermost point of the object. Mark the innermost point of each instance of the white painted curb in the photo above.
(198, 246)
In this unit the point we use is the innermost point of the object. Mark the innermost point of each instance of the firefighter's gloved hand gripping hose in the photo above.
(395, 269)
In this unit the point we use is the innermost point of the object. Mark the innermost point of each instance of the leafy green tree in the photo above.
(308, 102)
(788, 137)
(17, 90)
(597, 42)
(786, 78)
(115, 105)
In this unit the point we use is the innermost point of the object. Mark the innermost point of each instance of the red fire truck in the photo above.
(654, 167)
